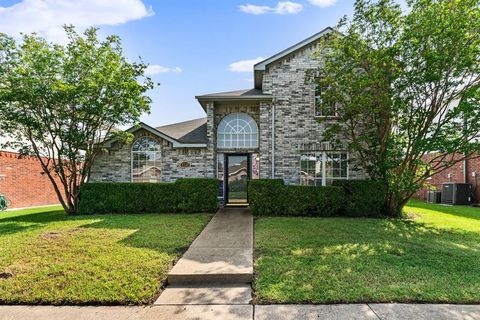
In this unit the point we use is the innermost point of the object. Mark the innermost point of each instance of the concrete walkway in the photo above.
(218, 266)
(247, 312)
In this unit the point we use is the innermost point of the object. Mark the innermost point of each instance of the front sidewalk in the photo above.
(246, 312)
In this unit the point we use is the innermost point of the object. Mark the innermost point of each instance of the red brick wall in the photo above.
(456, 175)
(22, 181)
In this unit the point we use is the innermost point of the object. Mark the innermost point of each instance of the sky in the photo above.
(193, 47)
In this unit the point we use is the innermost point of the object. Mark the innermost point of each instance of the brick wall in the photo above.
(22, 181)
(454, 174)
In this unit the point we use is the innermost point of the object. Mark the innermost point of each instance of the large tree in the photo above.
(59, 102)
(405, 86)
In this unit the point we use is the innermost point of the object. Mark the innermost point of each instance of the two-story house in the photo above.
(269, 131)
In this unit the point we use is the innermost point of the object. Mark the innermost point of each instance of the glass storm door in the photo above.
(237, 174)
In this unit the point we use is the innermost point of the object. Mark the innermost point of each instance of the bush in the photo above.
(265, 196)
(315, 201)
(185, 195)
(364, 198)
(344, 198)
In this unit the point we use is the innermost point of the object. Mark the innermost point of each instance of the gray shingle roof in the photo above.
(245, 93)
(192, 131)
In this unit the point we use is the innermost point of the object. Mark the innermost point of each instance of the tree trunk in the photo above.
(394, 205)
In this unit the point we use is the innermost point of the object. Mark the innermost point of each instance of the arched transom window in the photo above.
(237, 130)
(146, 160)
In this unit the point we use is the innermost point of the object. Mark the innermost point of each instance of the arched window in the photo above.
(237, 130)
(146, 160)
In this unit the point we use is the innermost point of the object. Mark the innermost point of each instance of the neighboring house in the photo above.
(23, 182)
(269, 131)
(462, 172)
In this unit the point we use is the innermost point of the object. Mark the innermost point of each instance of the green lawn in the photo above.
(91, 259)
(434, 256)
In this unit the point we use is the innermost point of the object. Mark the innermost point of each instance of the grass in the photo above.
(434, 256)
(90, 259)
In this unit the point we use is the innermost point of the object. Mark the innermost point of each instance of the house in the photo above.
(465, 171)
(23, 181)
(268, 131)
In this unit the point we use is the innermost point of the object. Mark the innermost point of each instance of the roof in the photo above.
(245, 94)
(191, 131)
(187, 134)
(259, 68)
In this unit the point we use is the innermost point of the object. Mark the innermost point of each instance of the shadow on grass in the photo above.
(162, 232)
(335, 260)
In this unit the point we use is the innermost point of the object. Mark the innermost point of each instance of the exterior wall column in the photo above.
(265, 140)
(211, 155)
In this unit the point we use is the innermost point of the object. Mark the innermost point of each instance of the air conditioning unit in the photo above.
(456, 193)
(434, 196)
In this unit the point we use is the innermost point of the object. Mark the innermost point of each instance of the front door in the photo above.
(237, 176)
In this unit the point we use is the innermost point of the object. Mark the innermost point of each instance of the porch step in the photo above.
(226, 294)
(213, 265)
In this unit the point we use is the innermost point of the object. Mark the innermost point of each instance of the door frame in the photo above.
(225, 172)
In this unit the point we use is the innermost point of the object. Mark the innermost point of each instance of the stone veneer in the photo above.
(296, 128)
(115, 163)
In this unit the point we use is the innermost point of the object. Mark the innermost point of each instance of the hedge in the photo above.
(364, 198)
(349, 198)
(185, 195)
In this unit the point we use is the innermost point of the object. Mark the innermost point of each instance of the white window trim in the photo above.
(131, 158)
(324, 167)
(315, 106)
(252, 124)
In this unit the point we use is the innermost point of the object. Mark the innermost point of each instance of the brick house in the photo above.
(23, 182)
(269, 131)
(462, 172)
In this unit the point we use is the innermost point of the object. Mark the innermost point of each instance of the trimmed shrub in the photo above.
(197, 194)
(185, 195)
(266, 196)
(353, 198)
(364, 198)
(273, 197)
(315, 201)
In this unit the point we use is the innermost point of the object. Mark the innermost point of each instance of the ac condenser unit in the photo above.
(434, 196)
(456, 193)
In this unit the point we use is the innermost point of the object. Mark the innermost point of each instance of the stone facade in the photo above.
(284, 112)
(296, 128)
(115, 164)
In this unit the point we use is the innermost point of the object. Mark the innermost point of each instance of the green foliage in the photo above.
(106, 259)
(185, 195)
(265, 196)
(60, 101)
(396, 78)
(363, 198)
(352, 198)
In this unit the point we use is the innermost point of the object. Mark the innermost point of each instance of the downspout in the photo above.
(465, 168)
(273, 139)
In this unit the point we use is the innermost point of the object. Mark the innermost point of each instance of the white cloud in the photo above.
(156, 69)
(282, 7)
(47, 16)
(323, 3)
(244, 65)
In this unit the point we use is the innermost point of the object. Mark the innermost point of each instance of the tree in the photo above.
(404, 85)
(59, 102)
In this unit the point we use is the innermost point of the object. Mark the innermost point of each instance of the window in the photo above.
(237, 130)
(320, 109)
(146, 160)
(322, 168)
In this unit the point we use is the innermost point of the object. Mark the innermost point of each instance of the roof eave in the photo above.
(175, 143)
